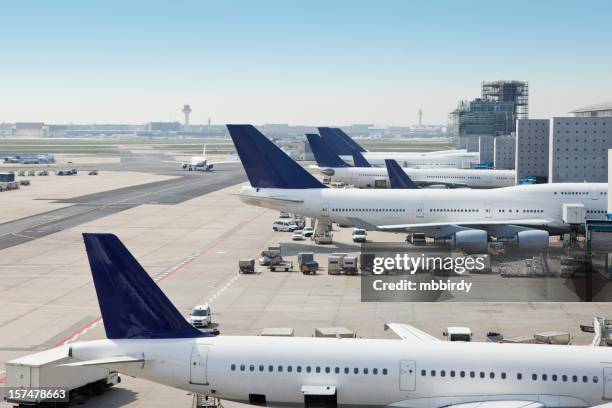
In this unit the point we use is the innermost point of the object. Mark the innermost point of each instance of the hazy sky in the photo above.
(307, 62)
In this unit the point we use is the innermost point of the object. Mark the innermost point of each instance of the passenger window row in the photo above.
(519, 376)
(471, 210)
(308, 369)
(368, 210)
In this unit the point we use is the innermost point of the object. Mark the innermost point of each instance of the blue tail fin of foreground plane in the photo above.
(323, 154)
(132, 305)
(265, 164)
(339, 146)
(349, 140)
(359, 160)
(398, 177)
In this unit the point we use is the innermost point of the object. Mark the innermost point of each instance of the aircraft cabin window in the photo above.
(595, 379)
(452, 373)
(585, 379)
(564, 378)
(270, 368)
(472, 374)
(554, 377)
(423, 373)
(242, 367)
(503, 376)
(280, 368)
(482, 374)
(519, 376)
(261, 368)
(365, 371)
(544, 377)
(233, 367)
(442, 373)
(318, 369)
(337, 370)
(307, 369)
(356, 371)
(433, 373)
(299, 369)
(574, 378)
(534, 377)
(462, 374)
(289, 368)
(491, 375)
(327, 370)
(375, 371)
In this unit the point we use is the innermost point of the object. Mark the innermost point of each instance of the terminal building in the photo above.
(532, 153)
(504, 152)
(486, 148)
(579, 147)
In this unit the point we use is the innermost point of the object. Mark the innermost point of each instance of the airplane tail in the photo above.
(337, 144)
(266, 165)
(359, 160)
(398, 177)
(132, 305)
(324, 155)
(349, 140)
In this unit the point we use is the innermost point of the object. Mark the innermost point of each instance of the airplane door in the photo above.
(407, 375)
(419, 210)
(197, 368)
(594, 194)
(488, 211)
(325, 210)
(607, 382)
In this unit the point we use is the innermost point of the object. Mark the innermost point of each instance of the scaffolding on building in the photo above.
(509, 91)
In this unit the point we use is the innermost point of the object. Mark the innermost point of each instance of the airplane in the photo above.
(200, 163)
(363, 175)
(525, 215)
(148, 338)
(339, 142)
(398, 179)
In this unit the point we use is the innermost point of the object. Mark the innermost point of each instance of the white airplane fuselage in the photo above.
(380, 207)
(368, 177)
(372, 373)
(451, 159)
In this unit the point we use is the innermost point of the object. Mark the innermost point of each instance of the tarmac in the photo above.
(189, 237)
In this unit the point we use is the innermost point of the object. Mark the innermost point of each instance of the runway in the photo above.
(82, 209)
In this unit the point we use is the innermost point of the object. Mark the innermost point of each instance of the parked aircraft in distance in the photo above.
(525, 215)
(148, 338)
(366, 176)
(344, 145)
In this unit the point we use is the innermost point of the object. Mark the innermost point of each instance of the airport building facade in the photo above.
(486, 148)
(532, 149)
(579, 148)
(504, 152)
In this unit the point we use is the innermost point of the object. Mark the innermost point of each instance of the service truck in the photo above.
(43, 378)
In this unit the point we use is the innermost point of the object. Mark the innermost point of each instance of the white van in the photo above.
(284, 225)
(200, 316)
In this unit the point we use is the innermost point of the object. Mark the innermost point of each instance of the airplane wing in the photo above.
(410, 333)
(527, 222)
(498, 404)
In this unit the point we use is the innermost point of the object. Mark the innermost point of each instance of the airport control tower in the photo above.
(186, 111)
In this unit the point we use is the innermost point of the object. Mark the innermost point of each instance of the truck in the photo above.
(47, 371)
(457, 333)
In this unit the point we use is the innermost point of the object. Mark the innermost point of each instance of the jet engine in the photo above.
(471, 241)
(184, 166)
(532, 240)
